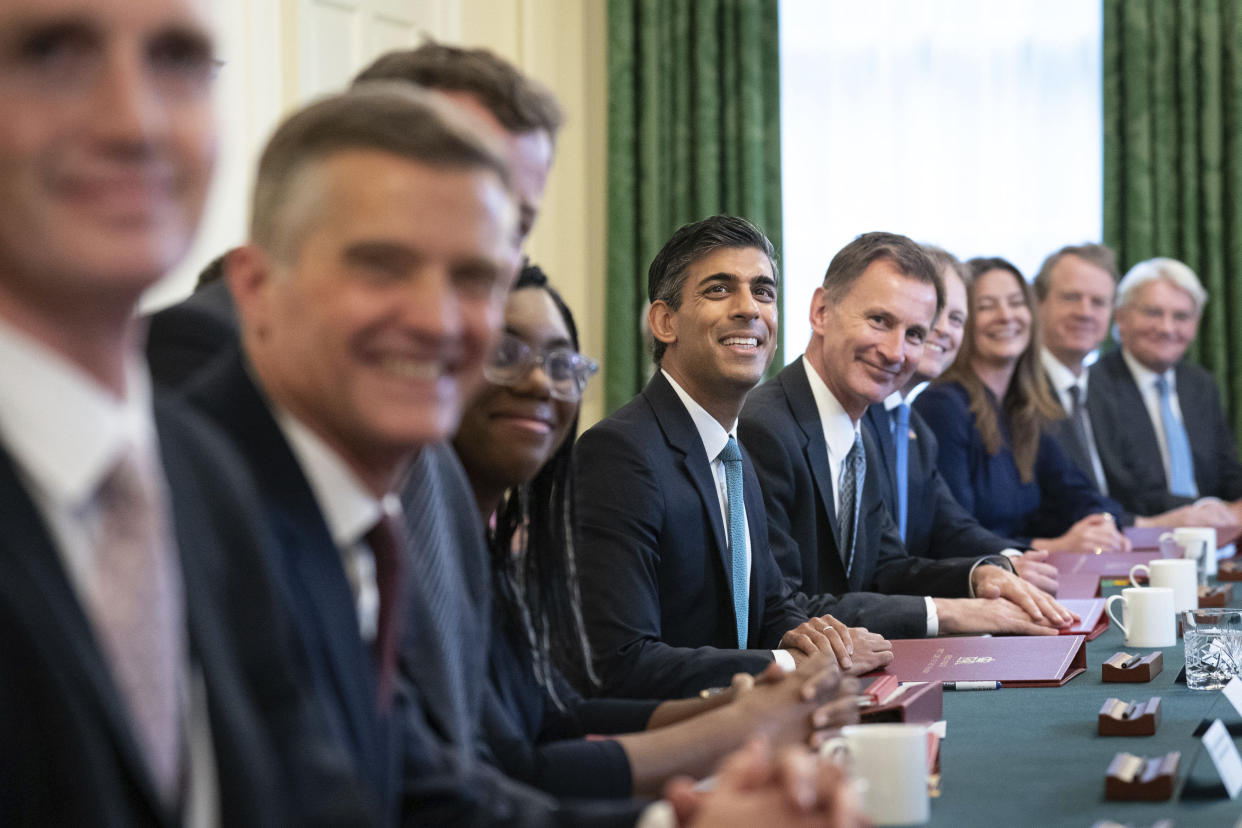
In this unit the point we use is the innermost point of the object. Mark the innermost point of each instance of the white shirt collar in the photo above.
(1144, 377)
(1061, 376)
(893, 400)
(839, 429)
(348, 507)
(711, 432)
(65, 430)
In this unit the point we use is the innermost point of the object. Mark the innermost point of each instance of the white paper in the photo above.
(1233, 692)
(1224, 755)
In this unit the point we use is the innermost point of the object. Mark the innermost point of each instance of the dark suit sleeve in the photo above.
(788, 496)
(1066, 495)
(1219, 445)
(949, 418)
(622, 517)
(954, 531)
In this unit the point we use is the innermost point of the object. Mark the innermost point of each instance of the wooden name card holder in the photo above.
(1118, 718)
(1215, 596)
(1136, 778)
(1126, 667)
(1229, 571)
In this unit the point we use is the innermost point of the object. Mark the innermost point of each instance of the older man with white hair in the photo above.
(1184, 445)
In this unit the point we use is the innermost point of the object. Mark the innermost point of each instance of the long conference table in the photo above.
(1032, 756)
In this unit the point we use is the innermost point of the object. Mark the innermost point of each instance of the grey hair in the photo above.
(1170, 270)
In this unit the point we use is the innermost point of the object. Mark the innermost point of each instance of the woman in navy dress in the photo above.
(989, 411)
(514, 442)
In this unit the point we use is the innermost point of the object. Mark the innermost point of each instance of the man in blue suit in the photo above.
(680, 590)
(830, 529)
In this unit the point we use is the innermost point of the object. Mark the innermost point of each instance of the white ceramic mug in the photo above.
(891, 761)
(1198, 543)
(1147, 616)
(1178, 574)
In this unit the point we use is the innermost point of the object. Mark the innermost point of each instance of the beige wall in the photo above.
(280, 53)
(562, 43)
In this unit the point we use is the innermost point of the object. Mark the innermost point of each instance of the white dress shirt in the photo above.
(1063, 379)
(839, 433)
(349, 509)
(65, 433)
(714, 437)
(1145, 379)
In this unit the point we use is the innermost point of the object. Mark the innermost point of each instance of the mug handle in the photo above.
(1168, 546)
(1146, 571)
(1108, 607)
(836, 749)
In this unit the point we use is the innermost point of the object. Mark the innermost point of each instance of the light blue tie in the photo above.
(853, 473)
(901, 443)
(1181, 465)
(731, 457)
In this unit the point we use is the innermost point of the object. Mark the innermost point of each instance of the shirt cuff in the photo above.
(657, 815)
(785, 659)
(933, 618)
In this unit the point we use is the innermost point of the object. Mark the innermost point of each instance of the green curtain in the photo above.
(1173, 157)
(693, 130)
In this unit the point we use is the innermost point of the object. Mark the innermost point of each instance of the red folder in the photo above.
(1094, 620)
(1077, 585)
(1015, 661)
(1104, 565)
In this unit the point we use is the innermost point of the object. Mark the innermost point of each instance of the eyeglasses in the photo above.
(567, 369)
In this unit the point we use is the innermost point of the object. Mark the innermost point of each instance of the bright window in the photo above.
(972, 124)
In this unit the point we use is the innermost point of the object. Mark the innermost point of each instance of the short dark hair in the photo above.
(386, 116)
(520, 103)
(692, 242)
(904, 253)
(1100, 255)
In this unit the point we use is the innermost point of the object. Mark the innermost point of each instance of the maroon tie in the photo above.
(385, 542)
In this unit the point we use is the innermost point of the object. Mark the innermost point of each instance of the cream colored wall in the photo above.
(280, 53)
(562, 43)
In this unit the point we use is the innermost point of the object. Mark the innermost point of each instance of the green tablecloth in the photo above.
(1017, 757)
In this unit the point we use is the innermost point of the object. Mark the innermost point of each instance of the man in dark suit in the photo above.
(1183, 450)
(679, 587)
(143, 674)
(525, 116)
(830, 530)
(1074, 292)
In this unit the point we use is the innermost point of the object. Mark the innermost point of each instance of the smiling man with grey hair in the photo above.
(1183, 447)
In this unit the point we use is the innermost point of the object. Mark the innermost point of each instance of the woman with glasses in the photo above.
(990, 412)
(515, 442)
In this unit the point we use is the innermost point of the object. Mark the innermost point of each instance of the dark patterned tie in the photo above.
(138, 610)
(853, 473)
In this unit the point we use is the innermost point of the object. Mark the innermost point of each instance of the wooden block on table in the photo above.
(1126, 667)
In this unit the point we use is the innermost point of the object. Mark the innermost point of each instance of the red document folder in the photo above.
(1015, 661)
(1106, 565)
(1149, 538)
(1077, 585)
(1094, 620)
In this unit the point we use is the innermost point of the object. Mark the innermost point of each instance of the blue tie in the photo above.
(901, 442)
(731, 457)
(853, 473)
(1181, 466)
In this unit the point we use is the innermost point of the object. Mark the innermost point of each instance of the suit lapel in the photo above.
(1128, 398)
(684, 438)
(885, 442)
(802, 403)
(33, 582)
(308, 555)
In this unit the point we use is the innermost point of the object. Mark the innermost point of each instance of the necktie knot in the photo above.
(1162, 386)
(731, 453)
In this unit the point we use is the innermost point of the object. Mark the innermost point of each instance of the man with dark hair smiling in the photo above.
(830, 530)
(679, 587)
